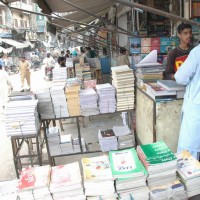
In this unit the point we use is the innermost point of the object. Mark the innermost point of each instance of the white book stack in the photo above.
(59, 101)
(173, 190)
(123, 81)
(66, 144)
(45, 106)
(107, 101)
(124, 136)
(110, 197)
(22, 118)
(76, 145)
(8, 190)
(59, 76)
(107, 140)
(98, 179)
(53, 137)
(189, 172)
(66, 182)
(88, 102)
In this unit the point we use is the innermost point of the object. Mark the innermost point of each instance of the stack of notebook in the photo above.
(45, 106)
(107, 101)
(59, 76)
(22, 118)
(130, 175)
(88, 102)
(98, 179)
(123, 81)
(107, 140)
(66, 182)
(189, 172)
(159, 161)
(59, 101)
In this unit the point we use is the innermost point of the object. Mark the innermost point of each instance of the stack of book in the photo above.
(73, 102)
(124, 136)
(159, 161)
(123, 81)
(98, 179)
(87, 74)
(107, 101)
(34, 183)
(71, 82)
(90, 84)
(59, 76)
(157, 92)
(130, 175)
(110, 197)
(76, 145)
(79, 71)
(173, 87)
(107, 140)
(173, 190)
(59, 102)
(45, 106)
(148, 69)
(189, 172)
(8, 190)
(20, 96)
(22, 118)
(66, 182)
(53, 138)
(88, 102)
(66, 144)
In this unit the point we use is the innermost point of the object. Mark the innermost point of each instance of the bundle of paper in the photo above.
(130, 174)
(45, 105)
(98, 179)
(8, 190)
(59, 76)
(189, 172)
(88, 102)
(107, 101)
(22, 118)
(66, 182)
(20, 96)
(159, 161)
(123, 81)
(107, 140)
(174, 190)
(59, 101)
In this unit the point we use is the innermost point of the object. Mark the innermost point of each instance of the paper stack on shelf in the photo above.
(124, 136)
(98, 179)
(20, 96)
(123, 81)
(173, 190)
(22, 118)
(87, 74)
(45, 105)
(66, 182)
(130, 174)
(76, 145)
(159, 161)
(66, 144)
(189, 172)
(34, 183)
(59, 76)
(107, 140)
(88, 102)
(107, 101)
(59, 101)
(148, 69)
(79, 72)
(8, 190)
(73, 102)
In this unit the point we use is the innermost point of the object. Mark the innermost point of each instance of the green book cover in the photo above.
(125, 162)
(157, 152)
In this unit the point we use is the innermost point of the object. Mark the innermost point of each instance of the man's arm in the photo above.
(169, 70)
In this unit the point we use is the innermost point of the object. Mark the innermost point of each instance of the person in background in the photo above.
(48, 62)
(123, 57)
(24, 68)
(87, 52)
(189, 75)
(62, 59)
(177, 56)
(5, 86)
(68, 54)
(93, 53)
(75, 52)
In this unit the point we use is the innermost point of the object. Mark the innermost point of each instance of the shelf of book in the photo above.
(157, 120)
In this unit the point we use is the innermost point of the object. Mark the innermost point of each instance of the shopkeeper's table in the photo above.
(157, 121)
(46, 123)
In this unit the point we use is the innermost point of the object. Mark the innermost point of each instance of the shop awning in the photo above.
(17, 45)
(8, 50)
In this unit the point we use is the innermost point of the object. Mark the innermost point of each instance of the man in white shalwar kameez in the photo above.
(4, 87)
(189, 75)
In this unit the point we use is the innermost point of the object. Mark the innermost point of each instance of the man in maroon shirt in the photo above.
(177, 56)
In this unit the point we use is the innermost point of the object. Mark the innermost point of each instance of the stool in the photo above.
(99, 77)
